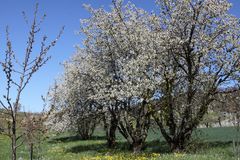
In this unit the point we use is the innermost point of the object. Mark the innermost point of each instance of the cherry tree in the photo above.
(202, 48)
(121, 45)
(70, 102)
(170, 65)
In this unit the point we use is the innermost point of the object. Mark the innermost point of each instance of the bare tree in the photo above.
(33, 130)
(18, 74)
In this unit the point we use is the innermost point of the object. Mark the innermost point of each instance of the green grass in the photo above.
(209, 144)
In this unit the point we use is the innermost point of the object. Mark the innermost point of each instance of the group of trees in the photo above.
(168, 67)
(136, 68)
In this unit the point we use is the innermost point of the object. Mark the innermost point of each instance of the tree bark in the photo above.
(207, 125)
(180, 143)
(111, 136)
(14, 139)
(137, 147)
(177, 142)
(177, 146)
(219, 121)
(31, 151)
(111, 132)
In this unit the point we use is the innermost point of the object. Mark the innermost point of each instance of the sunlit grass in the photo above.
(211, 144)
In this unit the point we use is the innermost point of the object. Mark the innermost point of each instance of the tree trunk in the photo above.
(31, 151)
(86, 129)
(14, 151)
(179, 143)
(219, 121)
(14, 140)
(137, 147)
(85, 137)
(207, 125)
(177, 147)
(83, 133)
(111, 132)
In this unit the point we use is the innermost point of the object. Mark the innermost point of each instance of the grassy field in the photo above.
(209, 144)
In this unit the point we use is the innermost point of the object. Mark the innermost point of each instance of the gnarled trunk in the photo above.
(178, 140)
(179, 143)
(111, 129)
(137, 146)
(86, 127)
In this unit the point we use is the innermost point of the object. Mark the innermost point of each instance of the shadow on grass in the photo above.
(218, 143)
(204, 146)
(150, 147)
(74, 138)
(214, 144)
(154, 146)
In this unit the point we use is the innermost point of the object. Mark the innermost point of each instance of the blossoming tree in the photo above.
(202, 48)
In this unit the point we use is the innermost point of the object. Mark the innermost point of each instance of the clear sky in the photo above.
(59, 13)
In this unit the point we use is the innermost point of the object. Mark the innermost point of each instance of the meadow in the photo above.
(208, 144)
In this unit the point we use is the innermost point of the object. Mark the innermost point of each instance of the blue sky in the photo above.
(59, 13)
